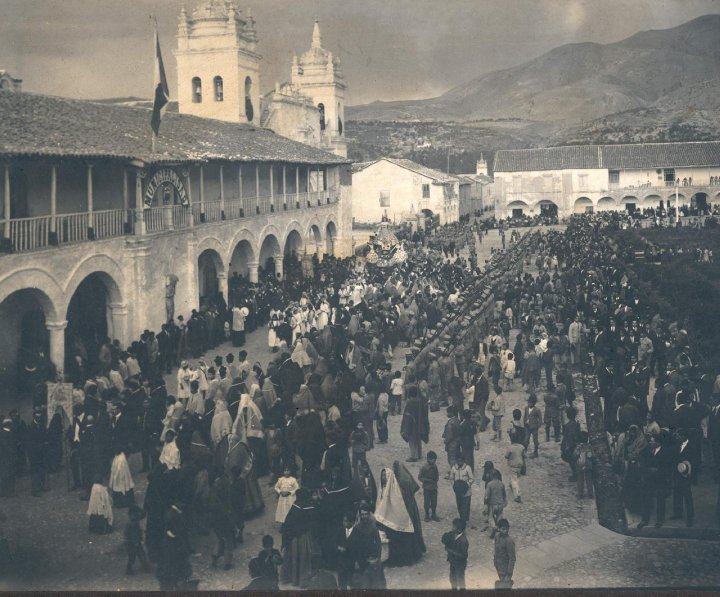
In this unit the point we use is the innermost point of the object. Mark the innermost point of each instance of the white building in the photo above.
(8, 82)
(481, 189)
(393, 189)
(582, 178)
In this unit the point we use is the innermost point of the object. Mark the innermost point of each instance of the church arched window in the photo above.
(218, 85)
(249, 110)
(196, 90)
(321, 112)
(340, 122)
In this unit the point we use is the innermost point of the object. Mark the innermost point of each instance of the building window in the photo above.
(669, 176)
(321, 114)
(384, 198)
(249, 111)
(196, 90)
(426, 191)
(218, 84)
(582, 181)
(614, 176)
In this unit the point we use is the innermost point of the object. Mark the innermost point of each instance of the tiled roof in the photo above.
(360, 166)
(420, 169)
(39, 125)
(613, 157)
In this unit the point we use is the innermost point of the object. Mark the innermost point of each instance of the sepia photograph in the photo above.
(318, 295)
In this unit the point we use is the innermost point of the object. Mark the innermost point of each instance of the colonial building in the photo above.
(94, 223)
(219, 71)
(583, 178)
(395, 189)
(481, 188)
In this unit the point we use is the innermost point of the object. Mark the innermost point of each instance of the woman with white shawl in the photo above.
(121, 482)
(100, 510)
(301, 357)
(221, 423)
(249, 428)
(397, 514)
(170, 455)
(322, 316)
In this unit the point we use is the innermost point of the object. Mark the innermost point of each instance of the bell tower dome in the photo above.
(218, 66)
(318, 75)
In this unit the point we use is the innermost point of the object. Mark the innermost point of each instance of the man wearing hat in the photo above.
(8, 458)
(682, 480)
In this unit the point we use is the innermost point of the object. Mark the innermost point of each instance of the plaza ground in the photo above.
(559, 542)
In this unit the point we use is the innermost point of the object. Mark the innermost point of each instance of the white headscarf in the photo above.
(170, 455)
(390, 509)
(100, 503)
(121, 480)
(221, 423)
(250, 425)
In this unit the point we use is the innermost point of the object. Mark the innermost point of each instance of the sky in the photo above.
(391, 49)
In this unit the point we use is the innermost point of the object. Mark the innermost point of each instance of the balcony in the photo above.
(28, 234)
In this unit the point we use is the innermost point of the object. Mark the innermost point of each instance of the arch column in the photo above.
(119, 315)
(253, 271)
(279, 265)
(223, 284)
(56, 330)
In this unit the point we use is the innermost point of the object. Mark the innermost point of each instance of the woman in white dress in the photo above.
(272, 330)
(286, 487)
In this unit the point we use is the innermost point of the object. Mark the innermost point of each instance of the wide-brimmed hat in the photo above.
(684, 468)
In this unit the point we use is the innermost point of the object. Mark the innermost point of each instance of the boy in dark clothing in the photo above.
(270, 559)
(133, 540)
(504, 559)
(532, 419)
(456, 546)
(429, 476)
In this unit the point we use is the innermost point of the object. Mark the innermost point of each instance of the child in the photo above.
(497, 408)
(518, 429)
(456, 546)
(133, 540)
(516, 461)
(429, 476)
(382, 416)
(100, 509)
(584, 465)
(359, 443)
(496, 499)
(285, 487)
(508, 371)
(270, 559)
(396, 392)
(504, 559)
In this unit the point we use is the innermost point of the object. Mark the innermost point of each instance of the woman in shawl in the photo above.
(238, 457)
(397, 514)
(364, 488)
(300, 356)
(221, 423)
(304, 400)
(248, 426)
(298, 543)
(100, 509)
(269, 394)
(121, 482)
(633, 445)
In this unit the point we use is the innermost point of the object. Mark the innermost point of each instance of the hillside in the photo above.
(577, 83)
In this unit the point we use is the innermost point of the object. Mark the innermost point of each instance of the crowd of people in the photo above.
(307, 420)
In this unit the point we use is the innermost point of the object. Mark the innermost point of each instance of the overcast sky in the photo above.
(391, 49)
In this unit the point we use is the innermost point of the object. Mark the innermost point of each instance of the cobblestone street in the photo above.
(559, 543)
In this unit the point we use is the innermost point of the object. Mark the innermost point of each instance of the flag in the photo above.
(162, 92)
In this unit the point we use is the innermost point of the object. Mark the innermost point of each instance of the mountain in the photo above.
(671, 69)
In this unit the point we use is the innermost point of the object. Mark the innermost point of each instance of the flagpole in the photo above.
(155, 41)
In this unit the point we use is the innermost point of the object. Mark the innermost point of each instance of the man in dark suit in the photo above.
(345, 562)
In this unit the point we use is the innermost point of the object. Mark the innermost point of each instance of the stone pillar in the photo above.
(53, 198)
(223, 284)
(279, 266)
(139, 205)
(126, 197)
(222, 193)
(56, 330)
(253, 271)
(202, 192)
(119, 314)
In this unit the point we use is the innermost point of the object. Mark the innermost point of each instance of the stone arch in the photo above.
(715, 198)
(293, 239)
(212, 243)
(652, 200)
(700, 200)
(330, 237)
(242, 235)
(582, 204)
(97, 263)
(314, 238)
(270, 248)
(243, 256)
(94, 312)
(210, 268)
(547, 208)
(42, 285)
(606, 204)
